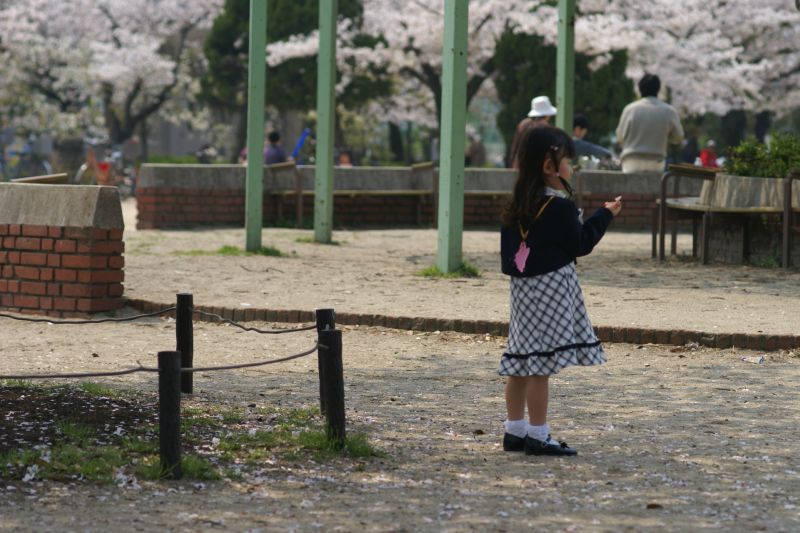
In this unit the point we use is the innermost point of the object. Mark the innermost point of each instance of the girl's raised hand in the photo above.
(615, 207)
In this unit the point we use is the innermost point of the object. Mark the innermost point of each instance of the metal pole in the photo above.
(454, 109)
(256, 84)
(169, 413)
(326, 111)
(565, 60)
(184, 333)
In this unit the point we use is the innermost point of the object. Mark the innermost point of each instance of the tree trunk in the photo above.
(396, 142)
(145, 152)
(240, 138)
(734, 124)
(763, 122)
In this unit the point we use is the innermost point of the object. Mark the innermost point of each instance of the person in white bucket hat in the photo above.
(541, 108)
(539, 115)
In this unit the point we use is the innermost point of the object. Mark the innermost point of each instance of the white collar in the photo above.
(549, 191)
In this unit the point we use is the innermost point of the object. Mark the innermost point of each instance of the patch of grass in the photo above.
(771, 261)
(95, 389)
(18, 383)
(310, 240)
(79, 433)
(466, 270)
(74, 431)
(195, 467)
(228, 250)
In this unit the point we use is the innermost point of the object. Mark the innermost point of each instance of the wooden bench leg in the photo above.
(705, 236)
(695, 230)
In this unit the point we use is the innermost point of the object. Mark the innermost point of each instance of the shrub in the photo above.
(752, 158)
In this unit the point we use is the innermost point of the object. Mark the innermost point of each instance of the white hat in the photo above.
(541, 107)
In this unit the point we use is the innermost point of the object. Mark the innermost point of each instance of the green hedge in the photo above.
(752, 158)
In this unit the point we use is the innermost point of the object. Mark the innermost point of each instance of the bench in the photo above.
(701, 214)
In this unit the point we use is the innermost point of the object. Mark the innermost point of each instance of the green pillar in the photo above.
(454, 110)
(256, 80)
(565, 59)
(326, 110)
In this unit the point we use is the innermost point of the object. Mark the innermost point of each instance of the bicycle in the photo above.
(23, 163)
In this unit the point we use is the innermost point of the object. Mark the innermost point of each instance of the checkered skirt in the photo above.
(549, 327)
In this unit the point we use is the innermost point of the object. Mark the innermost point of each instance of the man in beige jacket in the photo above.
(645, 127)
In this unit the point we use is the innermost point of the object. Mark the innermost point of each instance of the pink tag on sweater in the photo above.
(521, 257)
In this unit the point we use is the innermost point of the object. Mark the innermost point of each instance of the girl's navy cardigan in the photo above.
(555, 239)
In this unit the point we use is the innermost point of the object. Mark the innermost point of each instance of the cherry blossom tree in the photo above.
(712, 55)
(110, 64)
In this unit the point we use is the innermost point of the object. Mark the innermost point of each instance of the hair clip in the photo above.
(554, 148)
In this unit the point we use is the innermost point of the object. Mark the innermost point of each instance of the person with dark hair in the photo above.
(645, 128)
(549, 328)
(539, 115)
(690, 150)
(274, 152)
(580, 127)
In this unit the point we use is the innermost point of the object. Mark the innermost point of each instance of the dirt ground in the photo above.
(669, 438)
(375, 272)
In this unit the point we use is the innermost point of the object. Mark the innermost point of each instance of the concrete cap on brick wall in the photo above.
(192, 176)
(613, 182)
(80, 206)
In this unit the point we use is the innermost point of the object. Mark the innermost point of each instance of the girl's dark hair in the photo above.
(536, 146)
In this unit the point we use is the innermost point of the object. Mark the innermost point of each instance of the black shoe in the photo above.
(512, 443)
(550, 447)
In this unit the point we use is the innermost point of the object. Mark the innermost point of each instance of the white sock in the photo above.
(518, 428)
(539, 432)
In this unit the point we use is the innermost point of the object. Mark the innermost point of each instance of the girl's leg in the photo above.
(516, 387)
(538, 391)
(515, 424)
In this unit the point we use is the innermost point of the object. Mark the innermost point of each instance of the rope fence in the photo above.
(175, 371)
(94, 321)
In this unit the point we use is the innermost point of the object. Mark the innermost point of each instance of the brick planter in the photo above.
(60, 261)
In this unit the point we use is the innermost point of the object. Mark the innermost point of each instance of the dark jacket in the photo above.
(555, 239)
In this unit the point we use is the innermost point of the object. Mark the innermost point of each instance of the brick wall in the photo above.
(60, 271)
(637, 209)
(181, 208)
(179, 196)
(164, 207)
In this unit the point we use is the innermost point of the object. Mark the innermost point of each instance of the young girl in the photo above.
(549, 329)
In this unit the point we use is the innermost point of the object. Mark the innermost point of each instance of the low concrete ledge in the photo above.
(612, 183)
(192, 176)
(75, 206)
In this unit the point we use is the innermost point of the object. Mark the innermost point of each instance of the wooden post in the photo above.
(326, 321)
(184, 333)
(169, 412)
(331, 361)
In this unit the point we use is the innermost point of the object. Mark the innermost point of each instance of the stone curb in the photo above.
(632, 335)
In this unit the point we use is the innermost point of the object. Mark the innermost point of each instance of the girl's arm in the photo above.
(575, 238)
